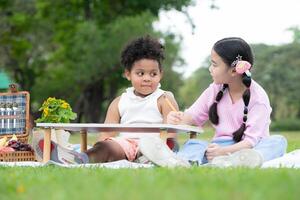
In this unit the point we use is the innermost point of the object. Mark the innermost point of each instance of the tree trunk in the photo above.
(87, 10)
(90, 103)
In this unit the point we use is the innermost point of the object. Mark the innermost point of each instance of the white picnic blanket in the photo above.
(289, 160)
(113, 165)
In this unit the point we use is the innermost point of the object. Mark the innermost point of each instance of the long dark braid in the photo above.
(228, 49)
(238, 134)
(213, 110)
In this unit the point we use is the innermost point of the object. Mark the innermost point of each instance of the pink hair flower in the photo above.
(243, 67)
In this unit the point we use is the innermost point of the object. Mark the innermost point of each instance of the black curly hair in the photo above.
(142, 48)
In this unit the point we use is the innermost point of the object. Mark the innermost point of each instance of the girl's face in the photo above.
(145, 76)
(219, 71)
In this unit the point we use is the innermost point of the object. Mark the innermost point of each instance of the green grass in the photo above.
(156, 183)
(159, 183)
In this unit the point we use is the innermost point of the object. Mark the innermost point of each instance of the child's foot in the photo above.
(60, 154)
(159, 153)
(243, 158)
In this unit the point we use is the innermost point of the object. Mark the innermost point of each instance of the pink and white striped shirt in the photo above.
(231, 114)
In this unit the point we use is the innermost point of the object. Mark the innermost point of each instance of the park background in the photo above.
(70, 49)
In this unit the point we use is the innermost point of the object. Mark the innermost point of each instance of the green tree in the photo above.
(194, 86)
(70, 49)
(277, 69)
(22, 48)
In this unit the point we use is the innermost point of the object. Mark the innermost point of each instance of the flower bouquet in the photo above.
(54, 111)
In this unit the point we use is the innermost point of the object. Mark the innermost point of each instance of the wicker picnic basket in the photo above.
(15, 121)
(17, 156)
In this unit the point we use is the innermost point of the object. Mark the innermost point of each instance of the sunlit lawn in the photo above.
(156, 183)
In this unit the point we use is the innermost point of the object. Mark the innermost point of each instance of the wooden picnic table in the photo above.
(85, 128)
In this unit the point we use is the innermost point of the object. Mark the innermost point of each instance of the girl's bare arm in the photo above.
(112, 117)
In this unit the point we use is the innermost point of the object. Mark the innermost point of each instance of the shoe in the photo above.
(154, 149)
(243, 158)
(142, 160)
(60, 154)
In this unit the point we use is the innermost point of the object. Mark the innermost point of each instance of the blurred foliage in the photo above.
(286, 125)
(278, 72)
(70, 49)
(194, 86)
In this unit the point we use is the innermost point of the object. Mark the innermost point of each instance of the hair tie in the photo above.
(245, 110)
(241, 66)
(245, 118)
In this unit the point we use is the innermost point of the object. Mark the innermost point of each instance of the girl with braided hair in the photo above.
(238, 108)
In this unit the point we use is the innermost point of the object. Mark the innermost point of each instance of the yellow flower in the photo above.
(46, 111)
(65, 105)
(20, 189)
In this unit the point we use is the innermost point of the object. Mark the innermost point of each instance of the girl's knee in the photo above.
(280, 139)
(106, 151)
(115, 151)
(108, 146)
(281, 142)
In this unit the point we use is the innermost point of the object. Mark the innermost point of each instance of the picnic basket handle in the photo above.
(13, 88)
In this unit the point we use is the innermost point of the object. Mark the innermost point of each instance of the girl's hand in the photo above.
(175, 117)
(214, 150)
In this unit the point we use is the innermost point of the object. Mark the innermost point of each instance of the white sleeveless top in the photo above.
(135, 109)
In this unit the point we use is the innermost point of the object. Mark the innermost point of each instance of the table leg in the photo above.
(83, 146)
(163, 134)
(47, 141)
(193, 135)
